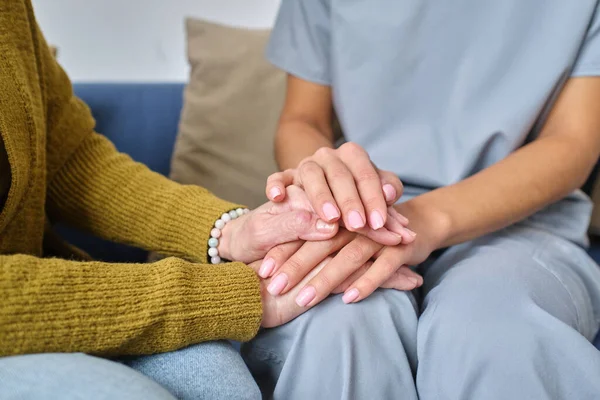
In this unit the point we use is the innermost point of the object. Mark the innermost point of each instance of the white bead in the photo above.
(219, 224)
(213, 252)
(225, 217)
(246, 211)
(233, 214)
(215, 260)
(215, 232)
(212, 242)
(239, 212)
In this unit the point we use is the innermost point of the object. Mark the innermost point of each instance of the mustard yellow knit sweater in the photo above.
(62, 171)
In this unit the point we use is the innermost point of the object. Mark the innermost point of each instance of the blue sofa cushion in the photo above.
(141, 120)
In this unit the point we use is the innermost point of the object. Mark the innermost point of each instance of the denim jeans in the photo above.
(212, 370)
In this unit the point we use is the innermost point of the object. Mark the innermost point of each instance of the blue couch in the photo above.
(142, 121)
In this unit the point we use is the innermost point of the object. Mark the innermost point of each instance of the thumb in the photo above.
(300, 225)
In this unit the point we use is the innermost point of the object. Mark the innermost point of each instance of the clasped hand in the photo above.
(331, 227)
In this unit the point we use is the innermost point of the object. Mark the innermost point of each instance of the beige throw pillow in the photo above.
(231, 108)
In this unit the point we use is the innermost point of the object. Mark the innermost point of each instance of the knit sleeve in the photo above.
(95, 188)
(52, 305)
(108, 194)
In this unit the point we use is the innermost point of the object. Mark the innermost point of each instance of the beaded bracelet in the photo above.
(215, 233)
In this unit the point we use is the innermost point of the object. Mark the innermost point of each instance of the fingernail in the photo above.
(355, 220)
(266, 268)
(376, 220)
(389, 192)
(411, 233)
(305, 296)
(275, 193)
(414, 281)
(278, 284)
(323, 226)
(330, 211)
(350, 296)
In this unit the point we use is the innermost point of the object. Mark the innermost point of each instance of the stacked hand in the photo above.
(330, 228)
(343, 185)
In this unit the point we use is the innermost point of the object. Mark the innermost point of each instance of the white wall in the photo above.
(136, 40)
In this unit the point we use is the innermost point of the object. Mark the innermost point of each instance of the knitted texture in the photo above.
(63, 171)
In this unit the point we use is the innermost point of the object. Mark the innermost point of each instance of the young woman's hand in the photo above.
(249, 237)
(346, 271)
(282, 309)
(341, 183)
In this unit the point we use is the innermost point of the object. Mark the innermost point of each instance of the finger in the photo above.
(276, 257)
(395, 226)
(391, 185)
(343, 187)
(367, 183)
(345, 263)
(280, 310)
(276, 184)
(401, 218)
(382, 236)
(403, 279)
(292, 226)
(318, 192)
(296, 267)
(352, 278)
(383, 268)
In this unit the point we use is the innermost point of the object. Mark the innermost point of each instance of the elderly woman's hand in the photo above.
(252, 236)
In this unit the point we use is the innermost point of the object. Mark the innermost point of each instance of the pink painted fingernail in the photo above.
(350, 296)
(355, 220)
(330, 211)
(325, 227)
(274, 193)
(389, 192)
(305, 296)
(278, 284)
(376, 220)
(266, 268)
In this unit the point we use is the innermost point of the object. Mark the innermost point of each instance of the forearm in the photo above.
(296, 140)
(52, 305)
(536, 175)
(108, 194)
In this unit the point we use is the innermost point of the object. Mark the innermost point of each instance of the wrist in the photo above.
(219, 244)
(427, 220)
(224, 246)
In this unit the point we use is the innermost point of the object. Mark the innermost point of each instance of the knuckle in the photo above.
(278, 254)
(349, 203)
(309, 167)
(354, 254)
(388, 268)
(339, 171)
(323, 281)
(299, 222)
(366, 174)
(352, 148)
(321, 196)
(367, 285)
(373, 201)
(323, 152)
(292, 267)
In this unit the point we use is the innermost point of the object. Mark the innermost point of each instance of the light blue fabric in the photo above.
(212, 370)
(438, 90)
(508, 316)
